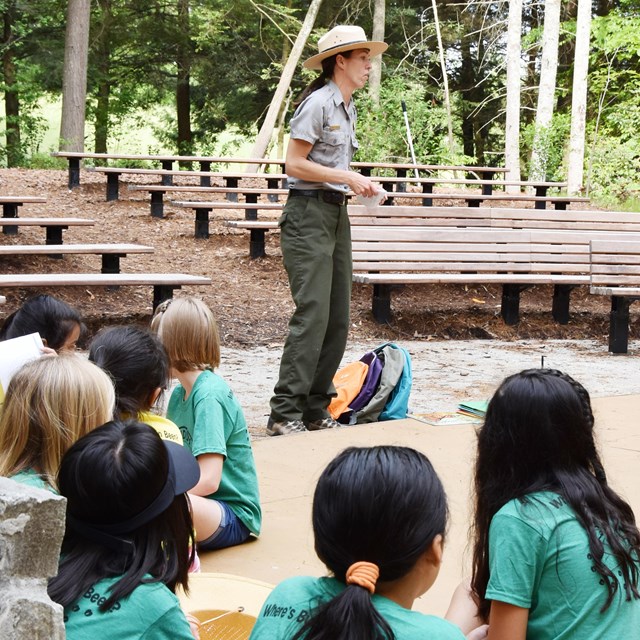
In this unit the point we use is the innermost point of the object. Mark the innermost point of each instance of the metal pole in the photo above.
(410, 139)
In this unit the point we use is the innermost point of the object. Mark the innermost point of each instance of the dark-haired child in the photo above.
(59, 325)
(139, 367)
(556, 550)
(379, 518)
(126, 544)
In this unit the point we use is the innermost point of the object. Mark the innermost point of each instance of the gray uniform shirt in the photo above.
(330, 126)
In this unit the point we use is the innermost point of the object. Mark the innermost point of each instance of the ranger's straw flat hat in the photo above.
(343, 38)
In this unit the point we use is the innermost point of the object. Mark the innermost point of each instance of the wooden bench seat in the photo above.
(615, 272)
(163, 283)
(111, 253)
(165, 160)
(231, 179)
(476, 199)
(251, 194)
(54, 226)
(202, 210)
(10, 205)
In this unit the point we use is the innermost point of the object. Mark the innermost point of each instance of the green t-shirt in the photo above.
(150, 612)
(33, 479)
(539, 560)
(211, 421)
(290, 603)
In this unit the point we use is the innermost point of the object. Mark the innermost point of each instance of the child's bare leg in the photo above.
(207, 515)
(463, 610)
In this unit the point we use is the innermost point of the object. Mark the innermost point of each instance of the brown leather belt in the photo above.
(327, 195)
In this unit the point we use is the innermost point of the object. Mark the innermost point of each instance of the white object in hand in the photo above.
(372, 202)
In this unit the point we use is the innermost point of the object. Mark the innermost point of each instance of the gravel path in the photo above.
(445, 372)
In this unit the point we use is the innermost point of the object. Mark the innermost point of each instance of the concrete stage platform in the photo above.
(288, 468)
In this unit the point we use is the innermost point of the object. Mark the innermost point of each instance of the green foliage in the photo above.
(551, 146)
(613, 169)
(382, 133)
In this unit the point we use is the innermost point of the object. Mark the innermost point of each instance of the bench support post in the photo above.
(111, 262)
(157, 204)
(510, 309)
(257, 244)
(561, 299)
(113, 180)
(74, 173)
(162, 292)
(167, 178)
(10, 210)
(251, 214)
(202, 223)
(272, 183)
(205, 181)
(381, 303)
(619, 324)
(427, 187)
(54, 234)
(231, 183)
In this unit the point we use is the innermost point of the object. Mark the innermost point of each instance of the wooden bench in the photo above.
(231, 179)
(165, 160)
(10, 205)
(401, 169)
(515, 259)
(476, 199)
(163, 283)
(111, 253)
(251, 194)
(202, 210)
(54, 226)
(615, 272)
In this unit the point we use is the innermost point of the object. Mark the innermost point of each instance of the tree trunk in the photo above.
(512, 125)
(183, 90)
(11, 100)
(579, 101)
(104, 82)
(74, 81)
(264, 136)
(375, 75)
(445, 81)
(546, 90)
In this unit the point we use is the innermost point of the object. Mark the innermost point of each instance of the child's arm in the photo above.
(507, 622)
(210, 474)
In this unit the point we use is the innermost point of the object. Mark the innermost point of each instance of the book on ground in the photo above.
(477, 408)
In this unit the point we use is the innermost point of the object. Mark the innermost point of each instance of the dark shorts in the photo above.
(232, 531)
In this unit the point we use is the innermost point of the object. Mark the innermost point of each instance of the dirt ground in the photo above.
(250, 298)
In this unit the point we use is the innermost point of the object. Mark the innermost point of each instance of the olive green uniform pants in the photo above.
(315, 237)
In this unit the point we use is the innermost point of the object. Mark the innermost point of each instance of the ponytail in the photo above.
(328, 67)
(349, 616)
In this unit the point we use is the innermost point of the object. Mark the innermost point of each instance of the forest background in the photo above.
(198, 77)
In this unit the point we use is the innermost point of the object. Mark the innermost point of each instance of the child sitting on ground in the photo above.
(59, 325)
(379, 520)
(138, 365)
(225, 503)
(128, 531)
(49, 404)
(556, 550)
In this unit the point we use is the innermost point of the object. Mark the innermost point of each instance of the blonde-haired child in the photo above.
(225, 502)
(49, 404)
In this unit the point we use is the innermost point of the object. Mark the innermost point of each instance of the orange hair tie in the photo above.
(363, 574)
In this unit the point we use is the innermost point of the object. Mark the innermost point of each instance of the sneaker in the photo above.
(284, 428)
(323, 423)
